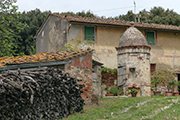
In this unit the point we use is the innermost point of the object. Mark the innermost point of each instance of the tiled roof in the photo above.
(117, 22)
(43, 57)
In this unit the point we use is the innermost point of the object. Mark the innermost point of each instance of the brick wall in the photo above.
(108, 78)
(81, 68)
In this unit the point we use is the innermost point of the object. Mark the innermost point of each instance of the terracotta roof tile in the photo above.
(117, 22)
(42, 57)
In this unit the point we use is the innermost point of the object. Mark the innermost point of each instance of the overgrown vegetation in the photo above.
(164, 78)
(78, 45)
(115, 90)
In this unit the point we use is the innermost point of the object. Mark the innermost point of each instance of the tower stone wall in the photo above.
(133, 56)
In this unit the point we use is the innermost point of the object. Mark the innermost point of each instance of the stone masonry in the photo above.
(81, 68)
(134, 62)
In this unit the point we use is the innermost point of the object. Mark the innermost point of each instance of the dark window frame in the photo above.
(154, 42)
(152, 65)
(85, 37)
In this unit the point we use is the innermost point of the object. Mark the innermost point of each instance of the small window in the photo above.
(153, 68)
(89, 33)
(150, 36)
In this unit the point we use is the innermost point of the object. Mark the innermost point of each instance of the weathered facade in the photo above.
(59, 30)
(133, 54)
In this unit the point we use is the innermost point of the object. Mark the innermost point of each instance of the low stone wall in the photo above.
(81, 68)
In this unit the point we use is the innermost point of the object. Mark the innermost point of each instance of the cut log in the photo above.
(43, 93)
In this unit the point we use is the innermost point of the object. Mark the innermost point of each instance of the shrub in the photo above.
(165, 78)
(115, 90)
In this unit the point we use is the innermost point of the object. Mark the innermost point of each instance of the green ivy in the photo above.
(105, 69)
(77, 46)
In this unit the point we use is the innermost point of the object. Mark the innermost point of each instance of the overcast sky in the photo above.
(106, 8)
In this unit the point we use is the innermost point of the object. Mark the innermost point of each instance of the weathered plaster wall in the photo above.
(81, 68)
(52, 36)
(75, 32)
(107, 38)
(57, 33)
(162, 52)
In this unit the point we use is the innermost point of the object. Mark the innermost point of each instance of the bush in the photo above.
(115, 90)
(165, 78)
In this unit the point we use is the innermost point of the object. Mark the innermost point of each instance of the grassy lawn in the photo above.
(145, 108)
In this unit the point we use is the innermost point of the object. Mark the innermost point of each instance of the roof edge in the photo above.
(37, 33)
(137, 46)
(88, 20)
(32, 65)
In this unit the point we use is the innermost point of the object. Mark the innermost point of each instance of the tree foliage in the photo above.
(17, 30)
(9, 27)
(33, 20)
(82, 14)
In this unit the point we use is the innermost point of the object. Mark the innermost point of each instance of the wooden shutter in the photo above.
(89, 33)
(150, 38)
(121, 75)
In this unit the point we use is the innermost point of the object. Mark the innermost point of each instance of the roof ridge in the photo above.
(111, 22)
(115, 20)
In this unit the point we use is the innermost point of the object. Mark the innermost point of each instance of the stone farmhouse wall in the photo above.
(81, 68)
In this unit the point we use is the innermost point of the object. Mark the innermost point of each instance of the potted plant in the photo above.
(133, 92)
(177, 84)
(109, 93)
(155, 81)
(114, 91)
(175, 93)
(170, 85)
(169, 82)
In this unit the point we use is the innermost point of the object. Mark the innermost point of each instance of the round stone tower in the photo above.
(133, 56)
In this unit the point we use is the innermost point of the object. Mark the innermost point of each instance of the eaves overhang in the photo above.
(32, 65)
(121, 26)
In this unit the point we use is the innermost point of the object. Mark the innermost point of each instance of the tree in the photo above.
(9, 27)
(33, 20)
(156, 15)
(128, 17)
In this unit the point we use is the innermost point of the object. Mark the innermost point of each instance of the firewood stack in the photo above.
(43, 93)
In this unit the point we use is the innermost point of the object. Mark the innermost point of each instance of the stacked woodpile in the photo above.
(43, 93)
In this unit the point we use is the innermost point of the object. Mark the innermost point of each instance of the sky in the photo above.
(107, 8)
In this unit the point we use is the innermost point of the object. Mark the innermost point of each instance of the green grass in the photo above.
(114, 109)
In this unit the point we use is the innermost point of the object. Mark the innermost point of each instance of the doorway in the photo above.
(178, 78)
